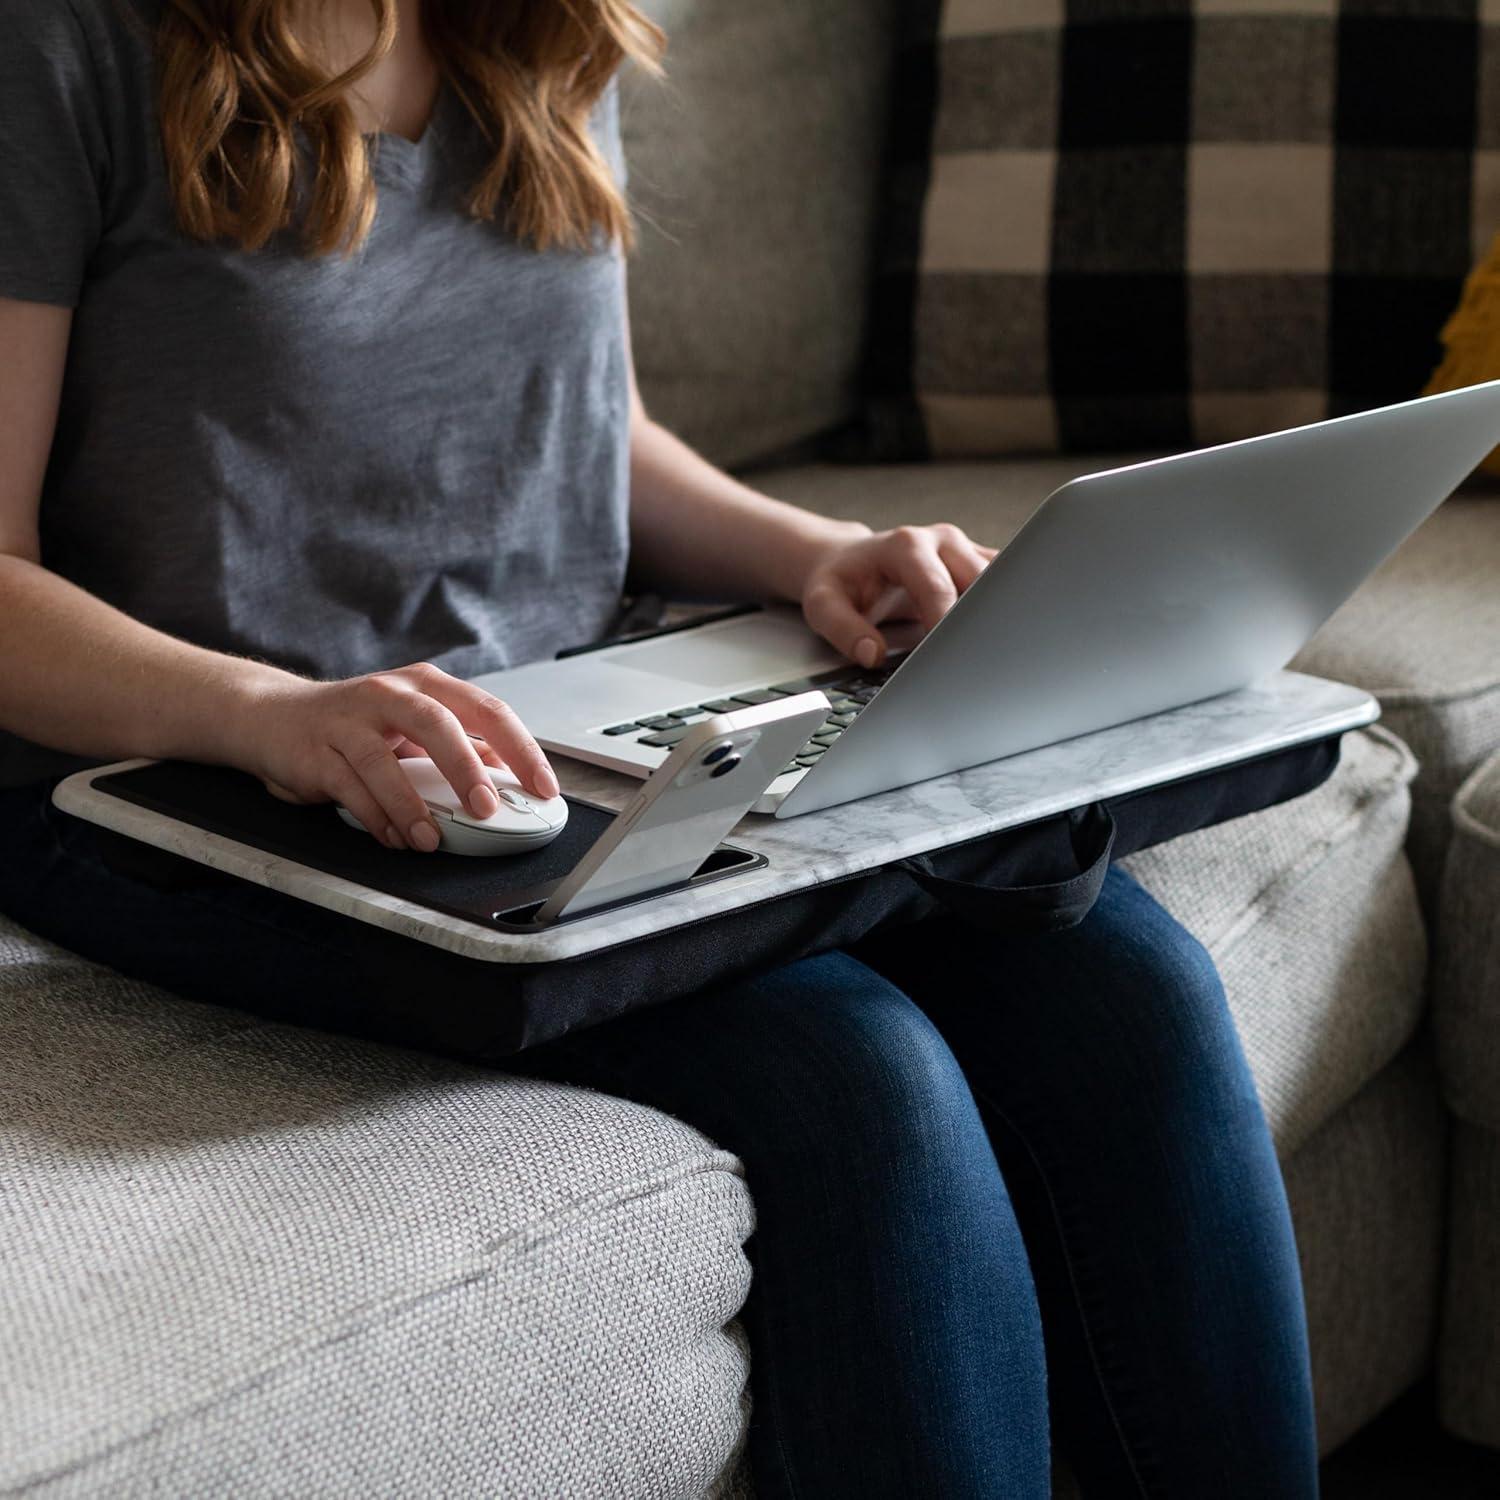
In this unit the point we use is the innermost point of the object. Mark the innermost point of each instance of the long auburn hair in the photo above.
(235, 82)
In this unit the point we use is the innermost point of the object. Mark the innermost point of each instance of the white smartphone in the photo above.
(715, 774)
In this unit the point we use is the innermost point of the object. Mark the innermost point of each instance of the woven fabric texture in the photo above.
(1468, 1363)
(1367, 1199)
(755, 170)
(266, 1261)
(1423, 635)
(1175, 221)
(1466, 980)
(1310, 914)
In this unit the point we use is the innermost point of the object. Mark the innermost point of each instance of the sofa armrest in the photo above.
(1466, 978)
(1466, 1018)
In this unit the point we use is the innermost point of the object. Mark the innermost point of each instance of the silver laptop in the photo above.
(1127, 592)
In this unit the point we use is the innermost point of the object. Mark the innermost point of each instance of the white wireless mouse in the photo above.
(524, 821)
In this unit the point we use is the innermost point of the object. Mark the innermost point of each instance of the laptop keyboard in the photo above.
(849, 689)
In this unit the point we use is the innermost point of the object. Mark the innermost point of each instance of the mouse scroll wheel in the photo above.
(517, 801)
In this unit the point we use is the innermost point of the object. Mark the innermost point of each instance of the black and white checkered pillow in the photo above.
(1154, 223)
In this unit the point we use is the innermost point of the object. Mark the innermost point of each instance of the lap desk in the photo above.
(449, 902)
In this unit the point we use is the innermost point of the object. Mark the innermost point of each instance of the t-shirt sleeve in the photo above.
(54, 155)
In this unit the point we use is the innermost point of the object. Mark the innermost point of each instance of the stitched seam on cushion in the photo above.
(386, 1311)
(1274, 892)
(1465, 821)
(1415, 697)
(41, 963)
(1471, 827)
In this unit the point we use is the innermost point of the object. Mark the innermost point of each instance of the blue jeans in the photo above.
(999, 1184)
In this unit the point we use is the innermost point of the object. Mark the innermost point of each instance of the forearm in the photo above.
(696, 531)
(79, 676)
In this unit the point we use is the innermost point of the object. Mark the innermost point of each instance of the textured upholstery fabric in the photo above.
(1367, 1205)
(1175, 221)
(1423, 634)
(754, 170)
(1469, 1351)
(1310, 913)
(240, 1258)
(1466, 984)
(1466, 1020)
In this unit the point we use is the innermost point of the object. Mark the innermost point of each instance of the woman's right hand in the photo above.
(339, 741)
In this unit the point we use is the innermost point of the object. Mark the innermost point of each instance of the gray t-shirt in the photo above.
(338, 465)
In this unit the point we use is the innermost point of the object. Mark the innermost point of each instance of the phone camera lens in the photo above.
(717, 754)
(724, 767)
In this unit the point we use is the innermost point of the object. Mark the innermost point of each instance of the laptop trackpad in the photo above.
(757, 650)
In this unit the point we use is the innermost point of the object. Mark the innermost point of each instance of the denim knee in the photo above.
(1166, 980)
(1146, 948)
(854, 1057)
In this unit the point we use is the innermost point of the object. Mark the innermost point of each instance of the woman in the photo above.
(317, 364)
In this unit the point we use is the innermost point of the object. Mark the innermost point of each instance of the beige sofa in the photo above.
(243, 1258)
(1466, 1008)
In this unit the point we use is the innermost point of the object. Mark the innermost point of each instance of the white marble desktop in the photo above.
(1285, 710)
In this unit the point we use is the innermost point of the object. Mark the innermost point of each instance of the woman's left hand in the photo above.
(912, 572)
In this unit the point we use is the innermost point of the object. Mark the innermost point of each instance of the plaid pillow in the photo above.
(1155, 223)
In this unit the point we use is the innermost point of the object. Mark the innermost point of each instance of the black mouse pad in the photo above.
(237, 806)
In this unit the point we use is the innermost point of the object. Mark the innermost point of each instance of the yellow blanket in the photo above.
(1471, 337)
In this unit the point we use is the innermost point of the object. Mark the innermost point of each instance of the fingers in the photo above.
(405, 750)
(912, 556)
(830, 611)
(402, 809)
(427, 722)
(283, 793)
(924, 568)
(421, 710)
(350, 789)
(484, 714)
(487, 752)
(964, 559)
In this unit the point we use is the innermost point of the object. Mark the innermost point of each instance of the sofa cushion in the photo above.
(1466, 973)
(266, 1261)
(1367, 1199)
(1468, 1361)
(1310, 914)
(1174, 221)
(754, 169)
(1423, 634)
